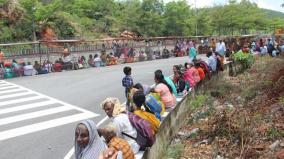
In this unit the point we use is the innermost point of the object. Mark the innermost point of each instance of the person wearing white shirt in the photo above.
(221, 48)
(97, 60)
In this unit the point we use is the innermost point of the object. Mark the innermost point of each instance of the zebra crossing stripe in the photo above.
(4, 135)
(25, 107)
(35, 101)
(32, 115)
(10, 91)
(15, 95)
(8, 87)
(20, 100)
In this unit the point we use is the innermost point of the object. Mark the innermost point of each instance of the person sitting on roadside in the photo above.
(17, 68)
(57, 66)
(145, 88)
(170, 82)
(103, 58)
(91, 61)
(97, 60)
(191, 75)
(141, 110)
(212, 62)
(82, 62)
(29, 69)
(39, 69)
(153, 100)
(200, 71)
(119, 144)
(164, 89)
(88, 143)
(178, 80)
(67, 61)
(47, 66)
(118, 116)
(111, 59)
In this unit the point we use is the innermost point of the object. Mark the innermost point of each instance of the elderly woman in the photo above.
(117, 143)
(88, 144)
(117, 114)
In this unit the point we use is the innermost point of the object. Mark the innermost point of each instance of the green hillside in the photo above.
(272, 13)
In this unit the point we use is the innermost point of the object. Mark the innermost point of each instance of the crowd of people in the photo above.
(133, 126)
(67, 61)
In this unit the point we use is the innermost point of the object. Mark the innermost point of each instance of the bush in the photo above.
(245, 59)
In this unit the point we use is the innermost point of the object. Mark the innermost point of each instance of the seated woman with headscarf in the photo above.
(141, 110)
(117, 114)
(164, 89)
(117, 143)
(88, 144)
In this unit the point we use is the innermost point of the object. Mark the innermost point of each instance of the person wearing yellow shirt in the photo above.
(141, 110)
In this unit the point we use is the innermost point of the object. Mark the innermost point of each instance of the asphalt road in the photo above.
(47, 131)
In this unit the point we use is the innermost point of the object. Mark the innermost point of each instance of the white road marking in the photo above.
(70, 153)
(35, 100)
(20, 100)
(25, 107)
(5, 85)
(15, 95)
(41, 113)
(4, 88)
(10, 91)
(4, 135)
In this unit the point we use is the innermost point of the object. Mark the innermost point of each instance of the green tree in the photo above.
(178, 18)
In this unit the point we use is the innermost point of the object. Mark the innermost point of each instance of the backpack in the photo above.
(145, 136)
(154, 106)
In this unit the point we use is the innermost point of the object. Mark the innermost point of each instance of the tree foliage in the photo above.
(101, 18)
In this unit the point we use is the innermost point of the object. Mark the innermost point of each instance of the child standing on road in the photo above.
(127, 82)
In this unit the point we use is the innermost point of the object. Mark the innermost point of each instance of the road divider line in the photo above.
(4, 135)
(20, 100)
(25, 107)
(33, 115)
(15, 95)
